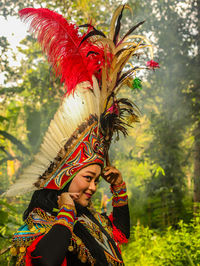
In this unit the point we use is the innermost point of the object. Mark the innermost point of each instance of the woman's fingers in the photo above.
(107, 173)
(109, 168)
(111, 179)
(67, 198)
(74, 195)
(112, 175)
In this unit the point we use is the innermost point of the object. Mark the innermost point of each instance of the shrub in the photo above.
(174, 247)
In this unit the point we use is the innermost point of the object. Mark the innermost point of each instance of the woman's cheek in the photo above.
(83, 184)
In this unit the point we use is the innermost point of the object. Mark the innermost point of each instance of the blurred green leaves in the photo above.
(172, 247)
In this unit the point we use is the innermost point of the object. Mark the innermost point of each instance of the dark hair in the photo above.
(46, 199)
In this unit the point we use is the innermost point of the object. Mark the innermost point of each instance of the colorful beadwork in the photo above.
(66, 216)
(120, 197)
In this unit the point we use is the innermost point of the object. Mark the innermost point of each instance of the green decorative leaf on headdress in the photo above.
(137, 84)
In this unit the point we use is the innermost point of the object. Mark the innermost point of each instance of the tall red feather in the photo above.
(60, 41)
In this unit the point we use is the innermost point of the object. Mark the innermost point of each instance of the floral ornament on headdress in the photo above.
(91, 67)
(152, 64)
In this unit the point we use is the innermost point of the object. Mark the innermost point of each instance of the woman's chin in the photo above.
(83, 203)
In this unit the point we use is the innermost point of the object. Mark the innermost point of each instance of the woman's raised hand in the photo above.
(67, 198)
(112, 175)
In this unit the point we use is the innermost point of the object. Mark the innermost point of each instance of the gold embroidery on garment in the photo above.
(101, 238)
(23, 239)
(77, 246)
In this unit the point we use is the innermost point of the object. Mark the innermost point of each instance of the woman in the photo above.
(61, 227)
(78, 234)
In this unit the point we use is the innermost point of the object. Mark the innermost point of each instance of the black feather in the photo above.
(126, 74)
(112, 123)
(125, 101)
(131, 30)
(129, 103)
(118, 26)
(90, 34)
(91, 52)
(89, 25)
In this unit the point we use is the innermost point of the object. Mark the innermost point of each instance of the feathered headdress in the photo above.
(91, 67)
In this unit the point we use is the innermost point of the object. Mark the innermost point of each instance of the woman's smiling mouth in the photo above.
(88, 195)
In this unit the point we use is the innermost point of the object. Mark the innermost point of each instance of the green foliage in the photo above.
(171, 248)
(14, 141)
(163, 101)
(10, 220)
(4, 47)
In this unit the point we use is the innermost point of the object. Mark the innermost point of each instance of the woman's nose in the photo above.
(92, 186)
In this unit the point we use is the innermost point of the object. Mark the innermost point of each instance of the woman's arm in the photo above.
(120, 216)
(52, 247)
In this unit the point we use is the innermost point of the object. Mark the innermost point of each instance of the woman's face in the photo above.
(85, 183)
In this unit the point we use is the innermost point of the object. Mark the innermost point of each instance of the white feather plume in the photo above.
(74, 110)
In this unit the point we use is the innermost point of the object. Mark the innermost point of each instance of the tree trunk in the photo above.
(197, 129)
(197, 168)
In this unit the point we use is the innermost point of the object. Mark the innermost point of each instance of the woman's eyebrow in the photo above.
(90, 172)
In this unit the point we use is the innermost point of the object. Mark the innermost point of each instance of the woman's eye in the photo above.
(88, 178)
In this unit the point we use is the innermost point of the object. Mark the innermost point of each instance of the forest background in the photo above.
(160, 160)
